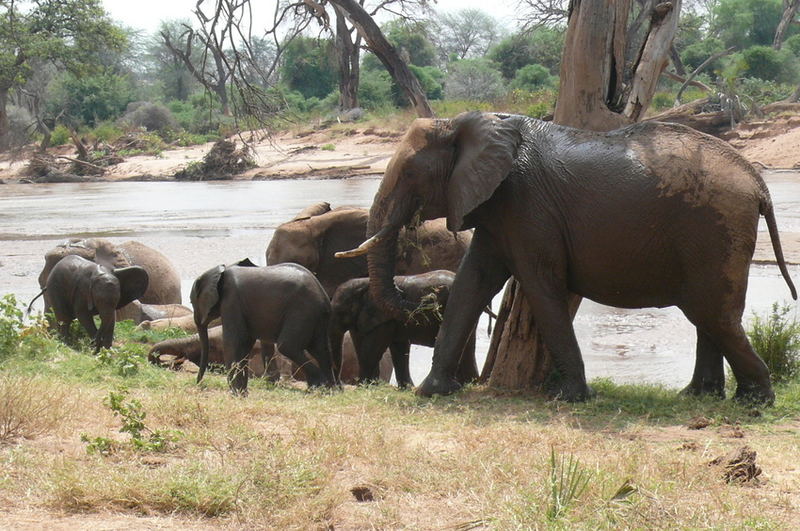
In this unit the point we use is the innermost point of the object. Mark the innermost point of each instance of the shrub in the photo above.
(28, 407)
(533, 77)
(10, 325)
(474, 79)
(776, 338)
(662, 100)
(375, 89)
(60, 136)
(766, 63)
(107, 132)
(793, 44)
(151, 116)
(694, 54)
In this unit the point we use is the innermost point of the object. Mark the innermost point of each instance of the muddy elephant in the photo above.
(283, 305)
(648, 215)
(373, 330)
(165, 283)
(313, 237)
(184, 322)
(174, 352)
(80, 289)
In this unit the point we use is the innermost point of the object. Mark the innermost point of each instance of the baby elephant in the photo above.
(79, 288)
(373, 330)
(282, 304)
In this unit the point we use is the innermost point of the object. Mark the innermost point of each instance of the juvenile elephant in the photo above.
(79, 288)
(313, 237)
(652, 214)
(165, 283)
(374, 330)
(283, 305)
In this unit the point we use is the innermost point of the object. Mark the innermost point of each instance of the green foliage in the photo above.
(541, 46)
(764, 62)
(91, 99)
(132, 415)
(124, 360)
(107, 132)
(745, 23)
(375, 89)
(568, 481)
(694, 54)
(309, 67)
(431, 79)
(474, 79)
(793, 44)
(533, 77)
(412, 41)
(763, 92)
(776, 338)
(10, 325)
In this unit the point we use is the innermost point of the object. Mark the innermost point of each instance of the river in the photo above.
(202, 224)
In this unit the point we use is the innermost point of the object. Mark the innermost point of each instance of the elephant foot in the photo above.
(755, 395)
(573, 392)
(437, 385)
(713, 389)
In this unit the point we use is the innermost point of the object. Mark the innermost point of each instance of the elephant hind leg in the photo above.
(752, 374)
(237, 344)
(320, 350)
(709, 374)
(400, 359)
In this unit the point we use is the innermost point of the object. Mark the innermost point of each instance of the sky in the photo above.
(146, 15)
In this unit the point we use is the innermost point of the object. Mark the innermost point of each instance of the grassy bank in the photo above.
(195, 456)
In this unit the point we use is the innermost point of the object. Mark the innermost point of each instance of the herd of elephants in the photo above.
(650, 215)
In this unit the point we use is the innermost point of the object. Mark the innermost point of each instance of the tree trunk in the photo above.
(4, 132)
(591, 96)
(789, 12)
(348, 54)
(381, 47)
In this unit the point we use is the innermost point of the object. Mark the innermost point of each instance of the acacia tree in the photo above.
(69, 34)
(466, 33)
(594, 93)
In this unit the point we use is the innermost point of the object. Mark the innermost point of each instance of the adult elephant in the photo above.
(648, 215)
(373, 330)
(80, 289)
(318, 232)
(165, 283)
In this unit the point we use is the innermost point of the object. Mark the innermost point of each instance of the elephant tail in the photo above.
(769, 215)
(30, 305)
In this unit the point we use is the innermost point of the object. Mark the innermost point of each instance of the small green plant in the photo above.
(124, 361)
(60, 136)
(10, 325)
(132, 414)
(568, 481)
(328, 147)
(776, 338)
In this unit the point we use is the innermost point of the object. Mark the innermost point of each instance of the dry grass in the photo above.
(29, 407)
(284, 458)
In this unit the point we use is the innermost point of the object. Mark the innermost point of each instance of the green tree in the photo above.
(73, 34)
(90, 99)
(764, 62)
(412, 39)
(466, 33)
(474, 79)
(541, 46)
(309, 67)
(533, 77)
(166, 69)
(746, 23)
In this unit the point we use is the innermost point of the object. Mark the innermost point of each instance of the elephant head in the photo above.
(205, 298)
(442, 168)
(96, 250)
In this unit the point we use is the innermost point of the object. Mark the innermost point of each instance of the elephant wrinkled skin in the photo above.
(373, 330)
(79, 289)
(283, 305)
(648, 215)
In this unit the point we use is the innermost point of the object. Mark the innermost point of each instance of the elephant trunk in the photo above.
(386, 218)
(202, 331)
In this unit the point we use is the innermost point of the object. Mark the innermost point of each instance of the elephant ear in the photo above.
(485, 151)
(205, 294)
(245, 263)
(133, 283)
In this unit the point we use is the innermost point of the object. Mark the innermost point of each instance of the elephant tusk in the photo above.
(366, 246)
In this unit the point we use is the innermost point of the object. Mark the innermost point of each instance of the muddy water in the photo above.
(202, 224)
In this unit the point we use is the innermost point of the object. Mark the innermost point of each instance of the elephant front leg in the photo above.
(479, 278)
(236, 346)
(87, 322)
(400, 359)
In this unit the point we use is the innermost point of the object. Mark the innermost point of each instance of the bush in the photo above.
(662, 101)
(375, 89)
(10, 325)
(107, 132)
(60, 136)
(533, 77)
(776, 338)
(768, 64)
(694, 54)
(20, 124)
(474, 79)
(793, 44)
(151, 116)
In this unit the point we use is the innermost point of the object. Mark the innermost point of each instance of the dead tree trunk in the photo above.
(348, 54)
(790, 8)
(381, 47)
(592, 95)
(4, 127)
